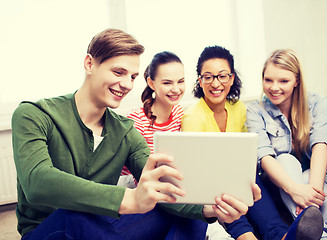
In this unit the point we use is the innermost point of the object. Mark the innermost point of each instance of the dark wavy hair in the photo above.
(222, 53)
(151, 71)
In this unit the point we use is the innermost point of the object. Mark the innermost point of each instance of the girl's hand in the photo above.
(305, 195)
(149, 189)
(228, 209)
(300, 209)
(256, 192)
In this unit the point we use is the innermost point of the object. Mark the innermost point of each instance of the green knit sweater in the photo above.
(57, 166)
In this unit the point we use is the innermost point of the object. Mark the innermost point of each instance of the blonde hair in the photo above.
(299, 118)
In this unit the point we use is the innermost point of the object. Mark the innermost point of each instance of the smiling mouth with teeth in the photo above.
(118, 94)
(275, 94)
(173, 96)
(216, 91)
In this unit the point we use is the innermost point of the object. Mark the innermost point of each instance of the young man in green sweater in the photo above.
(69, 152)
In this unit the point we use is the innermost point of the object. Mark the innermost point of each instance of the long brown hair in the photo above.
(151, 72)
(300, 116)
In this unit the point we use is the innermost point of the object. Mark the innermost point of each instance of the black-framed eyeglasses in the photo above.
(223, 77)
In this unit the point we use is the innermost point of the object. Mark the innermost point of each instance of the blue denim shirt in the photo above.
(275, 136)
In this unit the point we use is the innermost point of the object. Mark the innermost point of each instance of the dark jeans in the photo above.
(156, 224)
(262, 218)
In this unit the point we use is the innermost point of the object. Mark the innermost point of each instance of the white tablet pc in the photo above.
(212, 163)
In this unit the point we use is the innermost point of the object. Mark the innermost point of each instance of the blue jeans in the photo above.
(156, 224)
(262, 218)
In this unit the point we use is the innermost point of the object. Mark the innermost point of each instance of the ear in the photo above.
(88, 63)
(150, 83)
(232, 78)
(200, 82)
(296, 84)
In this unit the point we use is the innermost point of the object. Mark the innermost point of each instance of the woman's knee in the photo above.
(306, 175)
(289, 162)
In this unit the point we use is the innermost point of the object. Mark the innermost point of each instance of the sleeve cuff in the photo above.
(264, 151)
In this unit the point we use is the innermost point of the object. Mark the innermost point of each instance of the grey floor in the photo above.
(8, 223)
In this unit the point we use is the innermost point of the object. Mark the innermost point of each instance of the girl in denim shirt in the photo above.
(292, 128)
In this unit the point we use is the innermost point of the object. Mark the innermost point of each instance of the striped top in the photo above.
(143, 124)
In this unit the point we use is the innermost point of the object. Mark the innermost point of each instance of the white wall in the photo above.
(42, 46)
(302, 26)
(187, 27)
(43, 42)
